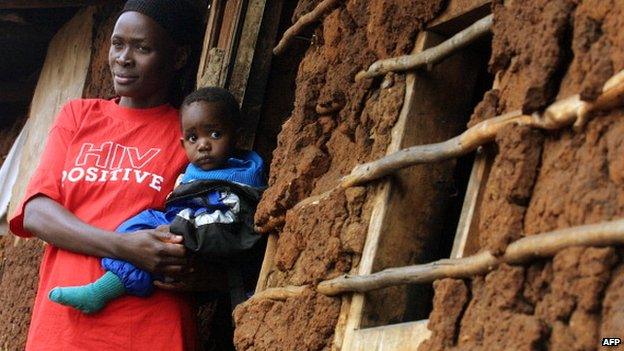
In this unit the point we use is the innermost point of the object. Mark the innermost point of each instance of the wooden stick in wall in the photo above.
(280, 293)
(429, 56)
(310, 17)
(562, 113)
(521, 251)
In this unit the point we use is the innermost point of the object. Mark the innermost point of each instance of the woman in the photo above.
(105, 161)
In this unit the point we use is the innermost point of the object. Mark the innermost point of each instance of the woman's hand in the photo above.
(200, 276)
(156, 250)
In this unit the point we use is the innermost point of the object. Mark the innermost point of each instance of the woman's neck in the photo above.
(142, 103)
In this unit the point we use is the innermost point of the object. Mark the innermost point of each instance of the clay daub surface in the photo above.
(303, 323)
(18, 282)
(542, 181)
(336, 123)
(18, 268)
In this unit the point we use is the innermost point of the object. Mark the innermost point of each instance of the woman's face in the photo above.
(141, 60)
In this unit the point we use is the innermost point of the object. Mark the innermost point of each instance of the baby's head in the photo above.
(210, 120)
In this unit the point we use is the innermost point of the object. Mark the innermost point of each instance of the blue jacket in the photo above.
(224, 199)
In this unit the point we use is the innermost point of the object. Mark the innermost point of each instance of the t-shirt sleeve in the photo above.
(46, 180)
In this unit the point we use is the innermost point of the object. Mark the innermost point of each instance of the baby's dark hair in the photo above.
(216, 94)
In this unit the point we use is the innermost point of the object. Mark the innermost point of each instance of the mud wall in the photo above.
(336, 123)
(543, 50)
(17, 285)
(8, 134)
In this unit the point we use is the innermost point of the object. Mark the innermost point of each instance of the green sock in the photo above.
(92, 297)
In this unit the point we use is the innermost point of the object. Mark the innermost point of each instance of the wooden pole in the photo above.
(462, 144)
(310, 17)
(280, 293)
(521, 251)
(562, 113)
(429, 56)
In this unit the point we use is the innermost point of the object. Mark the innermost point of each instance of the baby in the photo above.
(212, 206)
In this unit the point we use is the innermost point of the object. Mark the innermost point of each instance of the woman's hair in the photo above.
(218, 95)
(179, 18)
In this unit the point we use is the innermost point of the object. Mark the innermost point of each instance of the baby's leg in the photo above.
(92, 297)
(121, 277)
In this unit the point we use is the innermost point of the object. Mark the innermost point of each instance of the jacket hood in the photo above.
(247, 168)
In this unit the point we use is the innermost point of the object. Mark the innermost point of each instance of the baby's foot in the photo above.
(89, 298)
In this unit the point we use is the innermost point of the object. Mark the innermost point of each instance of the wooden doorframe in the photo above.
(239, 37)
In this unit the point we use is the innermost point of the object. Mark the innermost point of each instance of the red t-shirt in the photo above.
(105, 163)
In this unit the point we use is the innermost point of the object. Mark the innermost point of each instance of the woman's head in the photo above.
(148, 47)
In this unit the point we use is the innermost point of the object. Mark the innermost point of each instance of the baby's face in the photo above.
(208, 140)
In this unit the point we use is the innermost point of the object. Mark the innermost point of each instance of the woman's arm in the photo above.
(156, 251)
